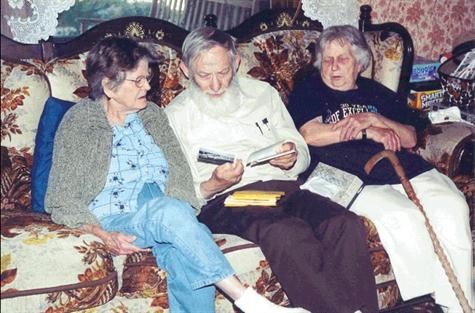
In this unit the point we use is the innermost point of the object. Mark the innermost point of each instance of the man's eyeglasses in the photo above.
(140, 81)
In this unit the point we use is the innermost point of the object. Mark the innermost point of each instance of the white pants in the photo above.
(401, 228)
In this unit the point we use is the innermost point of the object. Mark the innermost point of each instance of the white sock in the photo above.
(252, 302)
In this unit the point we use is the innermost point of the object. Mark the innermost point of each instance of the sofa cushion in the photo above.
(278, 57)
(142, 278)
(67, 79)
(387, 49)
(24, 90)
(47, 267)
(52, 115)
(170, 78)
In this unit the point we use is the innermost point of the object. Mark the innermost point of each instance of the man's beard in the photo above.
(221, 106)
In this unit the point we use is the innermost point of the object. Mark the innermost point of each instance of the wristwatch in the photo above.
(364, 136)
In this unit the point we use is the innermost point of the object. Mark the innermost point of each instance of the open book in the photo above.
(328, 181)
(257, 157)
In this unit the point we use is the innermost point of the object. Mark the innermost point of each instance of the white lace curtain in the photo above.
(29, 21)
(332, 12)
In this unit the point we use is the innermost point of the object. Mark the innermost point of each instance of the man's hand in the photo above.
(285, 162)
(223, 177)
(117, 243)
(386, 136)
(351, 126)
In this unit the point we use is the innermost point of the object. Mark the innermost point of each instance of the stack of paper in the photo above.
(253, 197)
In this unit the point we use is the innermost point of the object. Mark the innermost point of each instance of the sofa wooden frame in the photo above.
(165, 33)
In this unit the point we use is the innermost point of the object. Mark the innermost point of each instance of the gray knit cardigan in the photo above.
(81, 159)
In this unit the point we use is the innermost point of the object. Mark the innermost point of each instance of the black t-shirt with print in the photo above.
(312, 98)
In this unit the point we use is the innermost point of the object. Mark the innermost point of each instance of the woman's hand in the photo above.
(119, 243)
(386, 136)
(116, 242)
(351, 126)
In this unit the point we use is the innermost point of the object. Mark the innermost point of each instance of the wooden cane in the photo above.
(435, 241)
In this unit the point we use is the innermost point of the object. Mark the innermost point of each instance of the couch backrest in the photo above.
(275, 46)
(32, 73)
(278, 46)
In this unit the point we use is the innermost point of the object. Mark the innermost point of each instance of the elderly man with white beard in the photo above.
(316, 248)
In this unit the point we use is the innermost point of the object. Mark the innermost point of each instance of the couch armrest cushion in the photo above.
(52, 115)
(51, 268)
(442, 145)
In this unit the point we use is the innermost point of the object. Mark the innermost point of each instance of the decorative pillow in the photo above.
(387, 57)
(52, 115)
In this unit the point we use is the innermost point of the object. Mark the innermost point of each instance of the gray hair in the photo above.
(111, 58)
(345, 34)
(204, 39)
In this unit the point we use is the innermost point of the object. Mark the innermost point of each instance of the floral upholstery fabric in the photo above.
(443, 146)
(282, 57)
(387, 58)
(171, 79)
(66, 77)
(68, 82)
(142, 278)
(49, 268)
(73, 271)
(24, 91)
(140, 285)
(277, 57)
(440, 144)
(37, 254)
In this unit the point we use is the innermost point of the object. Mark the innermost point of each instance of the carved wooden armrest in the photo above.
(449, 147)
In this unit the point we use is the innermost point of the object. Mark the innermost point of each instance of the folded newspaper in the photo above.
(328, 181)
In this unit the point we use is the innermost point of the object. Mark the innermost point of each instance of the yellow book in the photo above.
(253, 197)
(258, 192)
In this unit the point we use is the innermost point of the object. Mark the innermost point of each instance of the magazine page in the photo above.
(268, 153)
(214, 157)
(328, 181)
(260, 156)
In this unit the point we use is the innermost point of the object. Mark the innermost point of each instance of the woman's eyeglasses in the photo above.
(140, 81)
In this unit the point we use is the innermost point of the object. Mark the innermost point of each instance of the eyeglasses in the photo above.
(140, 81)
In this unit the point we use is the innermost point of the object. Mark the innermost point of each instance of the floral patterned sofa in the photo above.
(51, 268)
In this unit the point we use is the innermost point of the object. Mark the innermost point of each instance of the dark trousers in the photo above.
(316, 248)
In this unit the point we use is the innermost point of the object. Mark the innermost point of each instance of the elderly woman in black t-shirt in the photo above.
(345, 119)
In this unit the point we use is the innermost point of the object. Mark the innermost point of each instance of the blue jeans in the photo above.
(182, 246)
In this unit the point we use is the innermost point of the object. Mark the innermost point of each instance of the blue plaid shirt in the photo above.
(136, 160)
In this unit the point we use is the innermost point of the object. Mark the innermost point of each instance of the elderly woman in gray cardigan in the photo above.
(118, 173)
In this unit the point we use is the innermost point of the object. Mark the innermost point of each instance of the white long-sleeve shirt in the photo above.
(261, 120)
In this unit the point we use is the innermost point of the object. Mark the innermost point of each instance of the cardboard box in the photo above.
(424, 70)
(426, 99)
